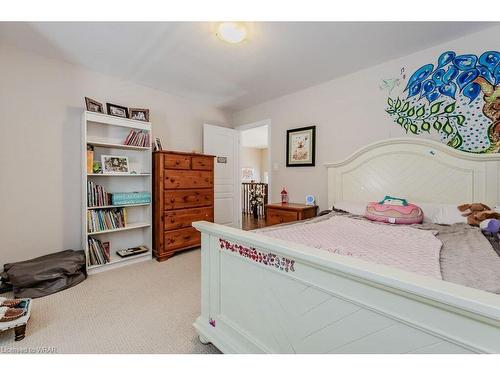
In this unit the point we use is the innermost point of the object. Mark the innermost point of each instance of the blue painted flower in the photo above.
(438, 76)
(446, 58)
(450, 74)
(433, 96)
(449, 89)
(466, 77)
(490, 59)
(472, 90)
(465, 62)
(486, 74)
(421, 74)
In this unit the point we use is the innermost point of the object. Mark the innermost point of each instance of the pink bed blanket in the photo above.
(399, 246)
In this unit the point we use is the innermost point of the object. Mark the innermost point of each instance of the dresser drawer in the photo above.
(183, 218)
(205, 163)
(179, 179)
(175, 199)
(275, 216)
(173, 161)
(181, 238)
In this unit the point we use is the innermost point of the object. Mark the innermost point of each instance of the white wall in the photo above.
(41, 101)
(349, 112)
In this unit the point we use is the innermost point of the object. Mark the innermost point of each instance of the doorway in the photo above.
(254, 172)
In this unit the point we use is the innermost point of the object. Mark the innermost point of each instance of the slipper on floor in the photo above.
(4, 302)
(8, 313)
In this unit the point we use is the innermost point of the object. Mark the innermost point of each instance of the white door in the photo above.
(224, 143)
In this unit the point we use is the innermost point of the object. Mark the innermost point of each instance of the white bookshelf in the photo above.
(107, 134)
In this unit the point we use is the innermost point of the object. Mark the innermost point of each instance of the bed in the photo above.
(269, 295)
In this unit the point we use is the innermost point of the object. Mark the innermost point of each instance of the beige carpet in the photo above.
(143, 308)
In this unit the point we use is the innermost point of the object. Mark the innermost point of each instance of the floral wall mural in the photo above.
(458, 98)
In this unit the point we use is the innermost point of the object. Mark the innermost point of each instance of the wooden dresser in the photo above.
(278, 213)
(183, 192)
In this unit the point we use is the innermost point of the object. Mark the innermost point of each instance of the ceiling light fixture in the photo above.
(231, 32)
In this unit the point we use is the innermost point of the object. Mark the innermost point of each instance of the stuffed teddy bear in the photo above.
(477, 212)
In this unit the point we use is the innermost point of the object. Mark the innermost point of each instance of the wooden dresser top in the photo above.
(290, 206)
(182, 153)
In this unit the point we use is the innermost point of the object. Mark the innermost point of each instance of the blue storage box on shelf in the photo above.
(131, 198)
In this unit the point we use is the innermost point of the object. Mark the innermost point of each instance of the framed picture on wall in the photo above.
(247, 174)
(301, 146)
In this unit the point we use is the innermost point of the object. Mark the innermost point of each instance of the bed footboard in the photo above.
(263, 295)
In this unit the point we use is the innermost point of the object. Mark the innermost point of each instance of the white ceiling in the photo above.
(187, 59)
(254, 137)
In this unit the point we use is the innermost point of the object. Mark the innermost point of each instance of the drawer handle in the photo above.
(172, 200)
(172, 220)
(187, 237)
(177, 162)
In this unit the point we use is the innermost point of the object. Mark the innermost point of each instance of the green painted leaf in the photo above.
(414, 129)
(398, 104)
(400, 120)
(426, 127)
(437, 125)
(406, 127)
(390, 101)
(460, 119)
(448, 129)
(435, 107)
(411, 111)
(390, 111)
(456, 141)
(450, 108)
(421, 111)
(405, 107)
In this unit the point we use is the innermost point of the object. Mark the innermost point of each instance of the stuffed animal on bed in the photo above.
(477, 212)
(490, 225)
(395, 211)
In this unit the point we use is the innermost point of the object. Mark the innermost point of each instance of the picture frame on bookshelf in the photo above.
(117, 110)
(112, 164)
(157, 144)
(93, 105)
(139, 114)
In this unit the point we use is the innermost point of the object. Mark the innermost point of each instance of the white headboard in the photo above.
(420, 170)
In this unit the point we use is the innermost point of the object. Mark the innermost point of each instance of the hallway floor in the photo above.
(248, 222)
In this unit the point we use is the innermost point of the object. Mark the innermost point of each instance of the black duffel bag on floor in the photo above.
(45, 275)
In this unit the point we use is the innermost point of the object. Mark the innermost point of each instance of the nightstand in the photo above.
(278, 213)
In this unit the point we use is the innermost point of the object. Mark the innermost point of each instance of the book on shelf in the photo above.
(137, 138)
(106, 219)
(98, 252)
(131, 198)
(97, 195)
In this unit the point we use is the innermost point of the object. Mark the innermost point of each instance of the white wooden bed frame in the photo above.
(264, 295)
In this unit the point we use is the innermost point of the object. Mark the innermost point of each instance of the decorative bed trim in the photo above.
(268, 259)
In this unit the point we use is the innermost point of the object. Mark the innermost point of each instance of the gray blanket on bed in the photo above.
(467, 257)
